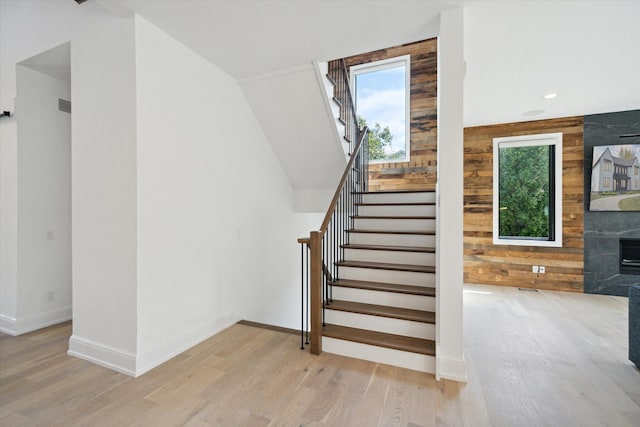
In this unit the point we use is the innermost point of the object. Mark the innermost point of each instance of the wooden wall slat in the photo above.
(506, 265)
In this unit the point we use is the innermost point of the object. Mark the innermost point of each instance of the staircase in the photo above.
(371, 266)
(382, 306)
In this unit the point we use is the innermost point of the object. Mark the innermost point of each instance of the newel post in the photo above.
(315, 246)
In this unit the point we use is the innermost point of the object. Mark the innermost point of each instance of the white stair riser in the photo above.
(389, 356)
(393, 239)
(388, 276)
(387, 325)
(335, 113)
(382, 197)
(395, 224)
(395, 257)
(397, 210)
(391, 299)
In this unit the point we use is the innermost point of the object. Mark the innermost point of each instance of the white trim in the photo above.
(159, 354)
(274, 74)
(136, 364)
(18, 326)
(385, 64)
(552, 139)
(451, 369)
(372, 353)
(117, 359)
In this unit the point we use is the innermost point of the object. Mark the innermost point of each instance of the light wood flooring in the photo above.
(534, 359)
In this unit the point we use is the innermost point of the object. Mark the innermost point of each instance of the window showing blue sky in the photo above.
(380, 98)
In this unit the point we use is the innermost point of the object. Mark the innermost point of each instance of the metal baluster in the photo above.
(302, 295)
(307, 271)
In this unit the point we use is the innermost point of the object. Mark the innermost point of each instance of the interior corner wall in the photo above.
(216, 228)
(44, 202)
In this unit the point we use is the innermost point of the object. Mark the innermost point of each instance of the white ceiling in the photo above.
(588, 52)
(516, 51)
(55, 62)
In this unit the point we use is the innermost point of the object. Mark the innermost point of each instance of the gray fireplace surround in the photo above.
(603, 230)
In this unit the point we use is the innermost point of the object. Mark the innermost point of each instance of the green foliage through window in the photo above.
(379, 140)
(526, 192)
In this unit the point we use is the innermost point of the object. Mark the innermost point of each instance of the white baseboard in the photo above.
(21, 325)
(119, 360)
(451, 369)
(159, 354)
(134, 364)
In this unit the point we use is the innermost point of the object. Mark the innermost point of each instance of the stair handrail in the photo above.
(343, 180)
(325, 245)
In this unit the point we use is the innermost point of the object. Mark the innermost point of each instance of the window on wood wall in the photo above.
(381, 91)
(527, 190)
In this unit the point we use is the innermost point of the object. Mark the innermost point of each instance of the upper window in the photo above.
(527, 190)
(381, 91)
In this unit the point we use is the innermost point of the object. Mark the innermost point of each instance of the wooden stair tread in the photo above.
(380, 339)
(394, 192)
(397, 204)
(330, 78)
(389, 248)
(388, 266)
(383, 311)
(386, 287)
(419, 232)
(390, 217)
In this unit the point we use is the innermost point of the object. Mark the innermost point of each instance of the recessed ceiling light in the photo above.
(550, 95)
(532, 113)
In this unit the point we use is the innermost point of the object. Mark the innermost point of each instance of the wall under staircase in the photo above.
(291, 107)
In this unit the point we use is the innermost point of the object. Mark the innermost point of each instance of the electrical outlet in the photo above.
(534, 269)
(50, 296)
(541, 269)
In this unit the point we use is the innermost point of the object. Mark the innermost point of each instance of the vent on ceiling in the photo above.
(64, 105)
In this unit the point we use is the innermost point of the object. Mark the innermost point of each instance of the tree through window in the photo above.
(381, 91)
(527, 190)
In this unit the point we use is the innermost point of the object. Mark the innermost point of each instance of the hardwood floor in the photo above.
(534, 359)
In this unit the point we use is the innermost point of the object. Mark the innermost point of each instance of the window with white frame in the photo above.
(382, 92)
(527, 190)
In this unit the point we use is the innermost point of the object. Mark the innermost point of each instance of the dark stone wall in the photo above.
(602, 230)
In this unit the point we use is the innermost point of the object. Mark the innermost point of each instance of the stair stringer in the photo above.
(322, 69)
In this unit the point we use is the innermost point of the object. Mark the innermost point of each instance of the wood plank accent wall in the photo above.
(420, 171)
(486, 263)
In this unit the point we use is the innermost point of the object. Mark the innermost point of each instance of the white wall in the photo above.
(216, 231)
(182, 214)
(103, 167)
(44, 202)
(104, 190)
(450, 362)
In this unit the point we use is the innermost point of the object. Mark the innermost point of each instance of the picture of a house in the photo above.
(615, 178)
(615, 174)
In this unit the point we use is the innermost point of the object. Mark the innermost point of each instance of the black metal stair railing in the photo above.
(337, 71)
(324, 248)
